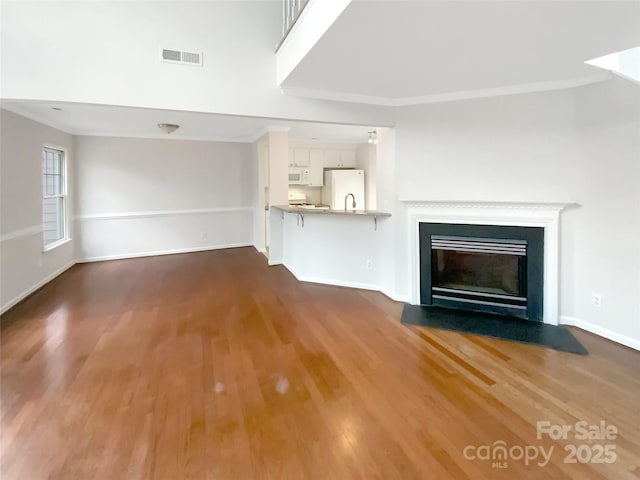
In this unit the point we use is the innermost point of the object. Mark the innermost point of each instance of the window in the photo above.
(54, 198)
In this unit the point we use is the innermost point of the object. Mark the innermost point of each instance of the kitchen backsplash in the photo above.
(314, 194)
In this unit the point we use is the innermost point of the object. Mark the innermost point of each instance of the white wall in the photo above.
(579, 146)
(366, 160)
(392, 239)
(24, 266)
(142, 196)
(108, 53)
(260, 162)
(331, 249)
(278, 154)
(602, 247)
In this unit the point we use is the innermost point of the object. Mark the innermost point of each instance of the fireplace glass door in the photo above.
(479, 270)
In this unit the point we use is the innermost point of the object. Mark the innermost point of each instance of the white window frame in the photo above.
(64, 196)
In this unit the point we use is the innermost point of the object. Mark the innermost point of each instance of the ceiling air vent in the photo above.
(185, 58)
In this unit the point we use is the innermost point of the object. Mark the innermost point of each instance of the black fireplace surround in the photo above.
(487, 268)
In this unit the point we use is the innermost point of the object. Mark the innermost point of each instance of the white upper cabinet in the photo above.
(331, 158)
(334, 158)
(298, 157)
(319, 158)
(348, 158)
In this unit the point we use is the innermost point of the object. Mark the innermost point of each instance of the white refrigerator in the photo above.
(340, 183)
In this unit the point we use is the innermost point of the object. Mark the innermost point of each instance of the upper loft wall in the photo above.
(514, 147)
(109, 53)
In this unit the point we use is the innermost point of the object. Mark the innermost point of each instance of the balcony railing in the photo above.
(291, 10)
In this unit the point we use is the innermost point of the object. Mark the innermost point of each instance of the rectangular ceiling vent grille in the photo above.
(184, 58)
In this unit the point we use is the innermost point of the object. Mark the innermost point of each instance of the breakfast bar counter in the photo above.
(327, 211)
(337, 247)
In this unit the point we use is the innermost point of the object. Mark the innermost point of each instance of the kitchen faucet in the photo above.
(345, 201)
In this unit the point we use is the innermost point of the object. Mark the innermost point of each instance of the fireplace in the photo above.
(489, 268)
(542, 215)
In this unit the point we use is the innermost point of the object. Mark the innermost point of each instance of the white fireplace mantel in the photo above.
(522, 214)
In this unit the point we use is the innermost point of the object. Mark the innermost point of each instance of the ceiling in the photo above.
(406, 52)
(84, 119)
(399, 53)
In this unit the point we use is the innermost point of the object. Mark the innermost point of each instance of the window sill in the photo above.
(59, 243)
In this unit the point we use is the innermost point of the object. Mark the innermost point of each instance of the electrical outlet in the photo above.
(596, 299)
(203, 235)
(369, 264)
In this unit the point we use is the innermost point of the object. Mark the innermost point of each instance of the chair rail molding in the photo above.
(159, 213)
(21, 233)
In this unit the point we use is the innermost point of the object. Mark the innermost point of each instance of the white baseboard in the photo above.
(329, 281)
(259, 250)
(35, 287)
(598, 330)
(395, 297)
(162, 252)
(342, 283)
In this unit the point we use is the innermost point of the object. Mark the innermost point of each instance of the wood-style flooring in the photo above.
(213, 365)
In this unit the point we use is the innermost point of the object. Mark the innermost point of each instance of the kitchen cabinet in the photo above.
(316, 168)
(331, 158)
(317, 158)
(298, 157)
(334, 158)
(348, 158)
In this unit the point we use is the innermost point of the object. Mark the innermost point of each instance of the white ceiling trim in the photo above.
(258, 135)
(248, 133)
(446, 97)
(263, 131)
(23, 113)
(625, 77)
(163, 136)
(338, 96)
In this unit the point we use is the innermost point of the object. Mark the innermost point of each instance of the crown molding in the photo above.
(264, 131)
(446, 97)
(335, 96)
(277, 128)
(258, 135)
(625, 77)
(162, 136)
(158, 136)
(18, 111)
(15, 106)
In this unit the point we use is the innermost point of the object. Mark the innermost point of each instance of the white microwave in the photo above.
(298, 176)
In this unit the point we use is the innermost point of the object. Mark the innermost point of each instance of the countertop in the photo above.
(325, 211)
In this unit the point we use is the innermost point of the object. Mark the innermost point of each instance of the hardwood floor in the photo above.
(214, 366)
